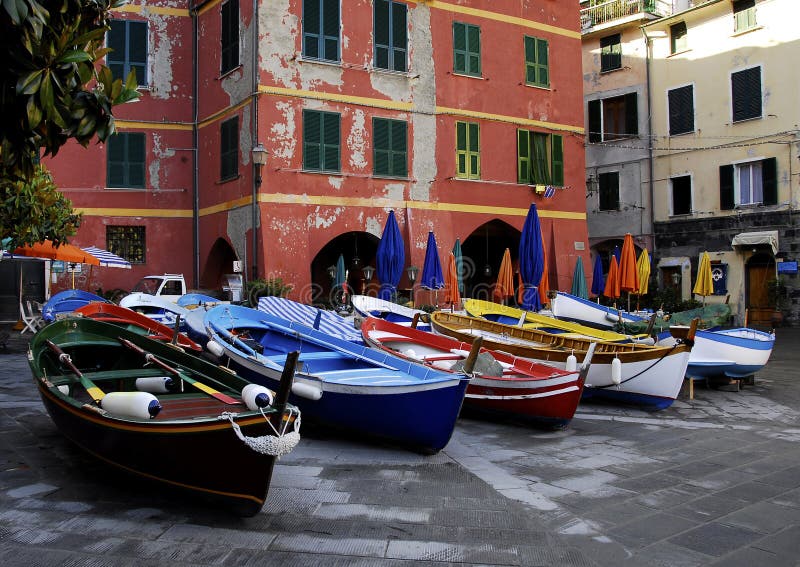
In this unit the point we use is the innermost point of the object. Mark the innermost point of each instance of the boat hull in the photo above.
(571, 308)
(367, 306)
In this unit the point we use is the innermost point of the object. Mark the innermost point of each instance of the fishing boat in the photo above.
(67, 301)
(326, 321)
(195, 300)
(339, 383)
(137, 322)
(572, 308)
(529, 320)
(367, 306)
(726, 353)
(710, 316)
(157, 308)
(160, 413)
(500, 384)
(649, 376)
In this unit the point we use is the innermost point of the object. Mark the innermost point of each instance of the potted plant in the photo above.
(778, 299)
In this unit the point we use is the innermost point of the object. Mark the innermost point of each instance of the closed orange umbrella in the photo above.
(520, 288)
(452, 295)
(65, 252)
(505, 278)
(544, 285)
(612, 290)
(628, 273)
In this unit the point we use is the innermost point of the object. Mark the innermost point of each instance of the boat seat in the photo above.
(111, 375)
(322, 355)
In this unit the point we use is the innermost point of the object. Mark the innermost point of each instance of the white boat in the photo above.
(157, 308)
(367, 306)
(731, 353)
(572, 308)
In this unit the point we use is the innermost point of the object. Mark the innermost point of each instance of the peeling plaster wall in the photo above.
(424, 93)
(154, 167)
(279, 31)
(238, 224)
(160, 56)
(357, 141)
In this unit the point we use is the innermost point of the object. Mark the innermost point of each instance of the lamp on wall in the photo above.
(259, 153)
(368, 271)
(487, 269)
(591, 184)
(332, 271)
(412, 274)
(676, 278)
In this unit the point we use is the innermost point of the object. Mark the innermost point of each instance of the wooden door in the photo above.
(757, 301)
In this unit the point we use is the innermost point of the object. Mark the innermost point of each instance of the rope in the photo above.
(666, 354)
(276, 445)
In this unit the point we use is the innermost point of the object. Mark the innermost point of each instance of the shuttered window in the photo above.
(613, 118)
(128, 42)
(391, 37)
(229, 149)
(611, 52)
(540, 158)
(681, 110)
(744, 15)
(746, 94)
(750, 183)
(468, 150)
(321, 147)
(321, 29)
(229, 58)
(466, 49)
(125, 160)
(678, 38)
(390, 147)
(608, 190)
(537, 66)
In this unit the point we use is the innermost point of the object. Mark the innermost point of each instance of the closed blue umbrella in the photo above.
(390, 258)
(338, 281)
(598, 281)
(432, 268)
(459, 256)
(531, 259)
(579, 281)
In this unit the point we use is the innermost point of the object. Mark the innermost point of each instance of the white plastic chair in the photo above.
(30, 318)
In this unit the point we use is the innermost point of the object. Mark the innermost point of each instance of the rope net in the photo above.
(276, 445)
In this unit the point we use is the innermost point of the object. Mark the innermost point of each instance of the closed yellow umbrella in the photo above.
(643, 267)
(705, 283)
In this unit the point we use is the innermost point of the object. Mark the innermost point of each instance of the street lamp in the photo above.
(368, 271)
(259, 154)
(332, 271)
(412, 277)
(259, 160)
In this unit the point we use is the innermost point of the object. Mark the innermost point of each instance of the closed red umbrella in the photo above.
(544, 285)
(612, 290)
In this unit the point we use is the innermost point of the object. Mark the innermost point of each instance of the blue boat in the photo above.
(327, 321)
(341, 384)
(68, 301)
(157, 308)
(573, 308)
(367, 306)
(194, 300)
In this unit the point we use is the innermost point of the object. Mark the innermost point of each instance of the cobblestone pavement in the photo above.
(709, 481)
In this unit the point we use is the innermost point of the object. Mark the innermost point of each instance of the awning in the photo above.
(763, 238)
(107, 258)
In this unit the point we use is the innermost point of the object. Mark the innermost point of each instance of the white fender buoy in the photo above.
(308, 391)
(142, 405)
(572, 362)
(156, 385)
(256, 396)
(215, 348)
(64, 389)
(410, 353)
(616, 371)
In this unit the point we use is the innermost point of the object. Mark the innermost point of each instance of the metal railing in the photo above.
(616, 9)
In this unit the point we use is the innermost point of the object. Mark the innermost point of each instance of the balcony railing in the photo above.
(616, 9)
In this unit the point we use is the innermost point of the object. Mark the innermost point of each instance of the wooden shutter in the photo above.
(312, 140)
(312, 28)
(611, 52)
(117, 42)
(595, 121)
(746, 92)
(474, 48)
(330, 141)
(726, 199)
(136, 159)
(115, 161)
(399, 141)
(399, 42)
(330, 30)
(461, 149)
(474, 150)
(137, 53)
(681, 110)
(230, 36)
(459, 47)
(382, 35)
(536, 62)
(631, 114)
(557, 160)
(523, 157)
(769, 178)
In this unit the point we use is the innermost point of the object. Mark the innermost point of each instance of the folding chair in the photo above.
(30, 318)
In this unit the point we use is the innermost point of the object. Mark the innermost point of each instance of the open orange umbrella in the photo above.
(628, 272)
(452, 295)
(65, 252)
(505, 278)
(612, 290)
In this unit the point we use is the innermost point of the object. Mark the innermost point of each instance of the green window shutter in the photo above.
(312, 140)
(330, 142)
(769, 179)
(726, 199)
(461, 150)
(136, 160)
(540, 165)
(126, 160)
(390, 147)
(468, 150)
(678, 37)
(631, 114)
(466, 49)
(536, 62)
(381, 146)
(557, 160)
(382, 34)
(330, 30)
(230, 36)
(128, 42)
(474, 162)
(138, 51)
(399, 42)
(229, 149)
(474, 49)
(115, 160)
(116, 40)
(391, 41)
(595, 121)
(459, 47)
(523, 157)
(312, 28)
(399, 139)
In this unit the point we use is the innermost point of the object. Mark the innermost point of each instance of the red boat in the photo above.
(500, 384)
(135, 321)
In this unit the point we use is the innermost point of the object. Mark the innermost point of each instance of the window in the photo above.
(127, 242)
(466, 49)
(540, 158)
(128, 42)
(608, 189)
(321, 141)
(537, 68)
(681, 195)
(391, 38)
(125, 160)
(230, 36)
(468, 150)
(678, 40)
(681, 110)
(744, 15)
(613, 118)
(746, 94)
(321, 29)
(611, 53)
(229, 149)
(750, 183)
(389, 147)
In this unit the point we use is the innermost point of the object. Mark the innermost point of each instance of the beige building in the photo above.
(725, 116)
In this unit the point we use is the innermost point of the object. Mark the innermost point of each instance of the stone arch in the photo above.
(218, 262)
(482, 253)
(358, 249)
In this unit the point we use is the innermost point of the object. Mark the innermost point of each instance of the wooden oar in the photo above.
(96, 393)
(150, 357)
(284, 388)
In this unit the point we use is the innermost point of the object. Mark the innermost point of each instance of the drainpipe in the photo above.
(255, 142)
(648, 58)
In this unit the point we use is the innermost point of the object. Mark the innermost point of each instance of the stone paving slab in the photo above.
(709, 481)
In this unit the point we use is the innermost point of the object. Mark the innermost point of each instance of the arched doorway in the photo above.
(759, 271)
(482, 253)
(219, 262)
(358, 250)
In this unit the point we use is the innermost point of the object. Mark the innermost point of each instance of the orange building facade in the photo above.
(455, 115)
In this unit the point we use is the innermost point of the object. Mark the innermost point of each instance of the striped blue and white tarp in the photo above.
(329, 322)
(107, 258)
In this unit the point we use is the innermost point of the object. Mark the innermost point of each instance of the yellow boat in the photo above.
(513, 316)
